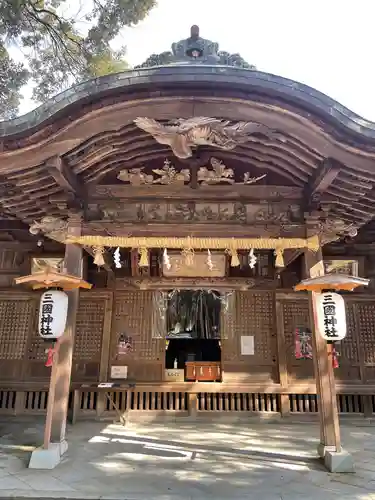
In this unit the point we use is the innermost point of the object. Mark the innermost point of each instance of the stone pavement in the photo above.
(178, 460)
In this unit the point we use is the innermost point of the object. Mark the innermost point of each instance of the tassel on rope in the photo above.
(279, 257)
(209, 261)
(143, 261)
(51, 352)
(234, 260)
(166, 259)
(99, 256)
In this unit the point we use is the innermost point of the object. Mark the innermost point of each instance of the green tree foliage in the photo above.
(53, 44)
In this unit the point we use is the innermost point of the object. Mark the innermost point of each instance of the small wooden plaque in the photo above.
(199, 269)
(174, 375)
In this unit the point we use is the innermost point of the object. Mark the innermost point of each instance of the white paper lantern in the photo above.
(331, 316)
(53, 313)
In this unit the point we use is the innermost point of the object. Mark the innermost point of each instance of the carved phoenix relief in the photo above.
(167, 175)
(183, 135)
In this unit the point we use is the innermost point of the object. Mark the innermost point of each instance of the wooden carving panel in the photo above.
(296, 314)
(254, 317)
(133, 318)
(202, 212)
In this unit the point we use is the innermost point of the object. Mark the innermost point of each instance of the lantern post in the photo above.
(328, 325)
(52, 324)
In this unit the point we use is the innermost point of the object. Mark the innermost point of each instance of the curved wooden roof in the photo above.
(71, 142)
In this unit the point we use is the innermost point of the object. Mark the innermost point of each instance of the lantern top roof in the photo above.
(331, 282)
(52, 279)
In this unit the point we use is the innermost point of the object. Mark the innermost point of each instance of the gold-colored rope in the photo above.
(230, 244)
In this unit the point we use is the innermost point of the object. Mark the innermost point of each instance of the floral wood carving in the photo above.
(183, 135)
(191, 283)
(167, 175)
(219, 173)
(135, 176)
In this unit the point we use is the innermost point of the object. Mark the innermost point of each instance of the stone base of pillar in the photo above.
(48, 459)
(336, 461)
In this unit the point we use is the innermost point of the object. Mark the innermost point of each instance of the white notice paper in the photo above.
(247, 345)
(119, 372)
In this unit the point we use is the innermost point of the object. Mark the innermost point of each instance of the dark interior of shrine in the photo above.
(193, 327)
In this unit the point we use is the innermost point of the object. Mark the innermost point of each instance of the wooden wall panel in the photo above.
(17, 319)
(349, 370)
(91, 319)
(255, 316)
(365, 321)
(13, 263)
(295, 313)
(133, 317)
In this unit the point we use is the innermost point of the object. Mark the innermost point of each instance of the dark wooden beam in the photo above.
(63, 175)
(290, 255)
(323, 177)
(13, 225)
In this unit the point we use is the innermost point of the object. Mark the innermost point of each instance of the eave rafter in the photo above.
(76, 154)
(322, 178)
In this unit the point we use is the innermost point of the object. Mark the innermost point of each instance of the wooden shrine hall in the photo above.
(193, 193)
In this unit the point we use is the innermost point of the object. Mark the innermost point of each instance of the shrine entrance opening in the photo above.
(193, 334)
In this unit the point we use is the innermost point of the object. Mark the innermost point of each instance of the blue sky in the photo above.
(327, 44)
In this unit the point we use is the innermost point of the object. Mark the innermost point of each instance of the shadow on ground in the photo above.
(186, 460)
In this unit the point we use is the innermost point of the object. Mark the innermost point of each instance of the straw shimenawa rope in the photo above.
(230, 245)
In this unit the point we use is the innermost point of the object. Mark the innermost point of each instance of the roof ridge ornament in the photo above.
(196, 50)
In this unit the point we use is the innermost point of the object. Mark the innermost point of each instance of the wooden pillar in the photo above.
(73, 264)
(281, 358)
(323, 368)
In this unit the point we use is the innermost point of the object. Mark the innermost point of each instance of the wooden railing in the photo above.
(185, 399)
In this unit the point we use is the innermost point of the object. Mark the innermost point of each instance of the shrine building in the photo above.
(193, 193)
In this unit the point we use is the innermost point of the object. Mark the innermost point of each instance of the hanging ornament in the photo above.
(117, 258)
(252, 259)
(51, 352)
(188, 253)
(99, 256)
(234, 260)
(279, 257)
(166, 259)
(209, 260)
(143, 261)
